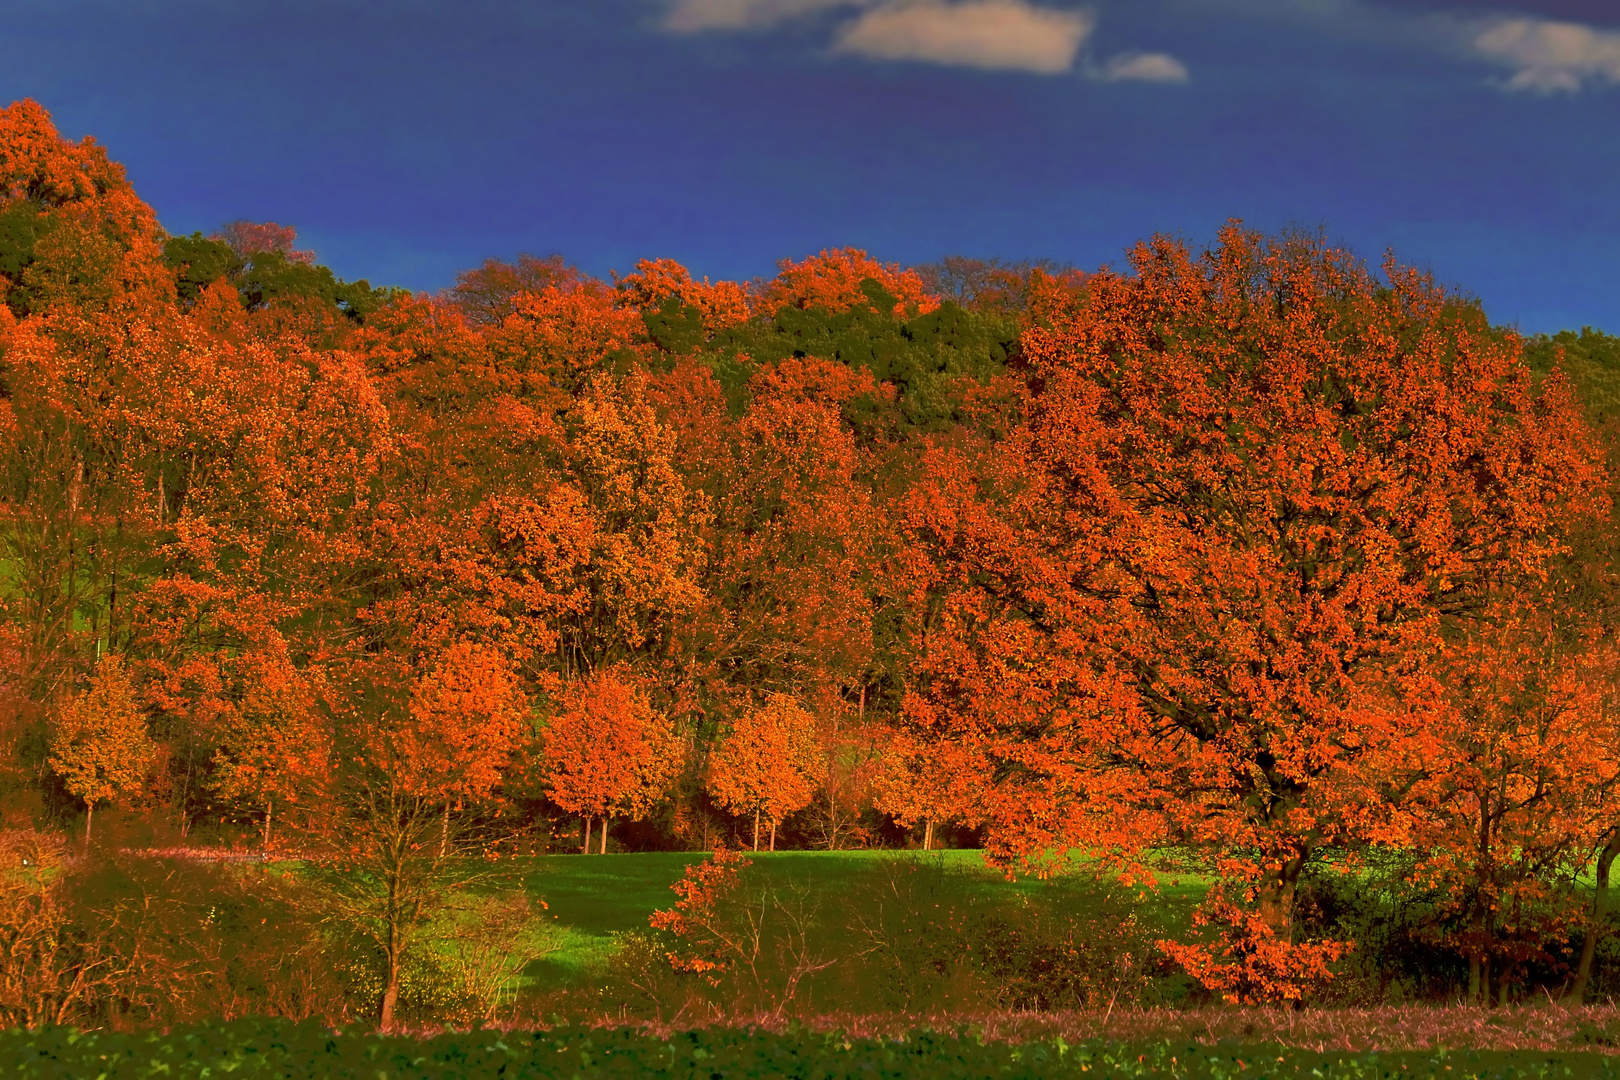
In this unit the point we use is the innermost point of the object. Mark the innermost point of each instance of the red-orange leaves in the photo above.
(37, 164)
(832, 280)
(1208, 575)
(765, 765)
(704, 944)
(465, 718)
(563, 333)
(92, 232)
(1249, 963)
(722, 304)
(273, 748)
(608, 753)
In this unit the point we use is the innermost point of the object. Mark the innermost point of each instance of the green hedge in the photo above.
(250, 1049)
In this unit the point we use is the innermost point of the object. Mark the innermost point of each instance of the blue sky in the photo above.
(407, 139)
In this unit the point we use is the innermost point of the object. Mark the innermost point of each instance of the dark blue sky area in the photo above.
(408, 140)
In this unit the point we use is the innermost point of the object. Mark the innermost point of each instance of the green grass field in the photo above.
(590, 898)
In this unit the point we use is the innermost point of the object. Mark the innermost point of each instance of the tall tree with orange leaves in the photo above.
(833, 281)
(100, 745)
(607, 752)
(272, 746)
(765, 765)
(1207, 576)
(409, 745)
(1512, 786)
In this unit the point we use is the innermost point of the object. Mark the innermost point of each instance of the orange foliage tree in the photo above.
(100, 745)
(1511, 786)
(1206, 578)
(273, 746)
(410, 744)
(608, 753)
(765, 765)
(656, 282)
(466, 717)
(832, 280)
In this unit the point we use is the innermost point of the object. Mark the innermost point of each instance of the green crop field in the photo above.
(250, 1050)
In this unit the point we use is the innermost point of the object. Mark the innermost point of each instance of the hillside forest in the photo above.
(1255, 561)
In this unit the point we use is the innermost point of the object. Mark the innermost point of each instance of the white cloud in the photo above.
(995, 34)
(1143, 67)
(690, 16)
(1547, 57)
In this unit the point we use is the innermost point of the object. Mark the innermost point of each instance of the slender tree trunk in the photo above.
(587, 848)
(928, 834)
(1594, 929)
(773, 834)
(89, 816)
(444, 832)
(756, 830)
(269, 811)
(400, 915)
(390, 998)
(1479, 966)
(604, 835)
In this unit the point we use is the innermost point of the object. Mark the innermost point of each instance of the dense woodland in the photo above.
(1253, 561)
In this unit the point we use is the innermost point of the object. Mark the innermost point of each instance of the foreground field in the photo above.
(285, 1052)
(589, 899)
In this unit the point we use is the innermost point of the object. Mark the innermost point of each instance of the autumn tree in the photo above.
(834, 280)
(486, 294)
(411, 744)
(914, 784)
(1250, 487)
(466, 719)
(272, 747)
(100, 745)
(681, 314)
(607, 752)
(248, 238)
(765, 764)
(646, 554)
(1511, 784)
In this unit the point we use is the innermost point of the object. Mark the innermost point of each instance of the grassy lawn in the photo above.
(589, 898)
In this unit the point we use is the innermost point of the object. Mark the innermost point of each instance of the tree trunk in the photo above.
(1275, 898)
(390, 998)
(444, 832)
(756, 831)
(269, 811)
(604, 835)
(587, 848)
(89, 816)
(928, 834)
(1594, 929)
(773, 834)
